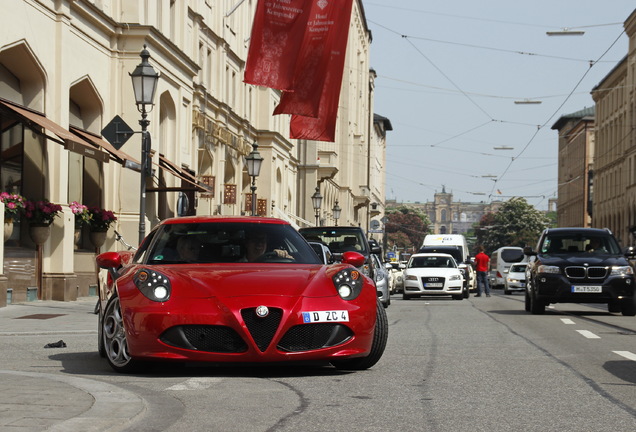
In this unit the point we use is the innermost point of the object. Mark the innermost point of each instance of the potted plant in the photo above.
(40, 215)
(82, 218)
(100, 221)
(13, 205)
(82, 215)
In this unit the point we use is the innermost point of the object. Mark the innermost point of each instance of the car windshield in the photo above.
(340, 239)
(455, 252)
(518, 268)
(580, 243)
(431, 261)
(227, 242)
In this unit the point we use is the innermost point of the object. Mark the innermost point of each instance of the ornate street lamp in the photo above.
(144, 81)
(254, 161)
(336, 212)
(316, 201)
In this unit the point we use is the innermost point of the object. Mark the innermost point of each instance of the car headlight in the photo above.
(153, 285)
(455, 277)
(411, 277)
(348, 283)
(548, 269)
(622, 271)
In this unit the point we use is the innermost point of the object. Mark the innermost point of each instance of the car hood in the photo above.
(432, 271)
(583, 260)
(237, 280)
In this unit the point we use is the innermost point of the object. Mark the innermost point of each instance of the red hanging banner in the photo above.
(275, 42)
(319, 69)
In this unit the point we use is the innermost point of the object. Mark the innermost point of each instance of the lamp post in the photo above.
(144, 81)
(336, 212)
(254, 161)
(316, 201)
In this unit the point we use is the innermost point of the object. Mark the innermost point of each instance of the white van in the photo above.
(458, 241)
(500, 262)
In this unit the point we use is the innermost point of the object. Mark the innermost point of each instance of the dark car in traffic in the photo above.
(579, 265)
(340, 239)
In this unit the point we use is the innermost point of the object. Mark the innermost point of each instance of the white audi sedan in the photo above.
(433, 274)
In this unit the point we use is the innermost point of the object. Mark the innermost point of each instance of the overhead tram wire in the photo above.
(448, 78)
(494, 186)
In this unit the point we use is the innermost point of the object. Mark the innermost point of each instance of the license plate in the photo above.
(522, 284)
(326, 316)
(433, 285)
(587, 289)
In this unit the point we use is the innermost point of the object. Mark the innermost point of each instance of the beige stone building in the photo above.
(451, 217)
(64, 74)
(614, 190)
(576, 156)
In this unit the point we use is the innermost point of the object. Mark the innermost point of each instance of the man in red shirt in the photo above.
(481, 266)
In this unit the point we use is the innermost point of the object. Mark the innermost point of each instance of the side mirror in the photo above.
(109, 260)
(377, 250)
(528, 251)
(402, 266)
(354, 258)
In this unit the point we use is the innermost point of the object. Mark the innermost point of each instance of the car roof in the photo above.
(602, 231)
(221, 218)
(432, 255)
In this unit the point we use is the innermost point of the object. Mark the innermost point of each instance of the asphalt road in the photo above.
(480, 364)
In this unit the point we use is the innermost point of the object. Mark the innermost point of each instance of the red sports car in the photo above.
(236, 289)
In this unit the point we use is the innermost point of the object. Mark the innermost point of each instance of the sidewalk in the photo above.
(32, 400)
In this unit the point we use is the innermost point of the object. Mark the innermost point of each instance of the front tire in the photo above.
(628, 307)
(114, 339)
(380, 336)
(537, 307)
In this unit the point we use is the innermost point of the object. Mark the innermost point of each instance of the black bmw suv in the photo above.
(580, 265)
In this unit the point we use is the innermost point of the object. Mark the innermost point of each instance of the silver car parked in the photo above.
(381, 281)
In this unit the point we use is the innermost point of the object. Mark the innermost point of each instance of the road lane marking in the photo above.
(196, 384)
(626, 354)
(588, 334)
(567, 321)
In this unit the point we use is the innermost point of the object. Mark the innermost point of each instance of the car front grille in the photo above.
(578, 272)
(433, 280)
(206, 338)
(262, 329)
(307, 337)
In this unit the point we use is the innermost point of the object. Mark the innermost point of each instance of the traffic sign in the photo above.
(117, 132)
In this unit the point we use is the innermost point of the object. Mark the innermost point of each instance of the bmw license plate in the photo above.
(433, 285)
(326, 316)
(587, 289)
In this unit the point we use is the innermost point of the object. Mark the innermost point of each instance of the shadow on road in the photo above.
(90, 363)
(622, 369)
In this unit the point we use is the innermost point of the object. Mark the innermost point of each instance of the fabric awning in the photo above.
(116, 155)
(180, 173)
(64, 137)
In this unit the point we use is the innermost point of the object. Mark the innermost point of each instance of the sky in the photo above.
(449, 74)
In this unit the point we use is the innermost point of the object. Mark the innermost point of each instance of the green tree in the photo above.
(485, 224)
(405, 228)
(517, 223)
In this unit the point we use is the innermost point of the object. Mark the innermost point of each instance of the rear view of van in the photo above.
(500, 262)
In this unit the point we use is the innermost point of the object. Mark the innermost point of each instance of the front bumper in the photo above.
(559, 289)
(450, 288)
(211, 330)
